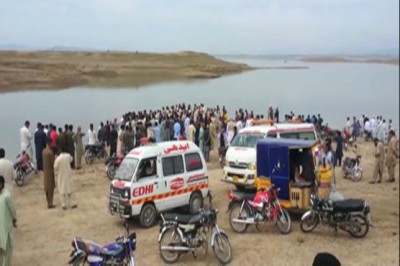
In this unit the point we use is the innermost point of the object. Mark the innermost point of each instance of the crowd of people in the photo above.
(60, 150)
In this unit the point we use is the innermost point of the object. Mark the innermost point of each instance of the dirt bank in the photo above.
(44, 236)
(57, 70)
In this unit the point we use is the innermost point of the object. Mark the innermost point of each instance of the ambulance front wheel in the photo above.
(148, 215)
(195, 202)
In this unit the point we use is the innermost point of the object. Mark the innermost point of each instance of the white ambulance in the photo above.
(159, 177)
(240, 167)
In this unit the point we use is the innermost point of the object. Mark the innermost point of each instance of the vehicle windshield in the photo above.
(248, 140)
(305, 135)
(126, 169)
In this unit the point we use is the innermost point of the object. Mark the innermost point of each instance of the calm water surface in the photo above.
(335, 90)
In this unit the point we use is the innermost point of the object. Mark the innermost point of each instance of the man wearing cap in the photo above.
(8, 220)
(379, 161)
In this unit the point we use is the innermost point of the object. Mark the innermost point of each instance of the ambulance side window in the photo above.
(272, 135)
(147, 168)
(193, 162)
(172, 165)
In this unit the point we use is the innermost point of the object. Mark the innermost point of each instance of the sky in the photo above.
(212, 26)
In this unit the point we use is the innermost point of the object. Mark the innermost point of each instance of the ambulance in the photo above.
(240, 167)
(159, 177)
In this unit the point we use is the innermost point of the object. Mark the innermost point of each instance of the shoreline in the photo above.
(52, 70)
(394, 61)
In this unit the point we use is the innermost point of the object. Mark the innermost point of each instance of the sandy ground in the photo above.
(338, 59)
(56, 70)
(44, 236)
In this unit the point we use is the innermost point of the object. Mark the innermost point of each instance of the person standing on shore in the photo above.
(60, 140)
(177, 129)
(69, 139)
(62, 167)
(8, 220)
(339, 149)
(201, 137)
(78, 140)
(379, 161)
(392, 156)
(92, 135)
(192, 131)
(113, 138)
(40, 144)
(26, 138)
(48, 174)
(7, 170)
(53, 138)
(120, 140)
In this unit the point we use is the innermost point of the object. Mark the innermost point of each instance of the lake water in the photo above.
(336, 90)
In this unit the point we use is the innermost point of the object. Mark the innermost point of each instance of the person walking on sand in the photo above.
(392, 155)
(8, 220)
(63, 171)
(48, 174)
(79, 151)
(379, 161)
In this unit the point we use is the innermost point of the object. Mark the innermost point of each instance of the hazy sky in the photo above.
(214, 26)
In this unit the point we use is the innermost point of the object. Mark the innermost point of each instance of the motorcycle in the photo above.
(351, 215)
(23, 167)
(97, 151)
(180, 233)
(120, 253)
(351, 167)
(221, 155)
(244, 210)
(112, 164)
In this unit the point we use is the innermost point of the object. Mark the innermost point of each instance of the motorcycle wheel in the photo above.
(111, 169)
(235, 213)
(356, 175)
(222, 248)
(174, 240)
(20, 179)
(89, 158)
(283, 222)
(362, 226)
(309, 223)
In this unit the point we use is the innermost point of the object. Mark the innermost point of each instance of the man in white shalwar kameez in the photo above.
(8, 220)
(187, 124)
(230, 131)
(26, 138)
(7, 171)
(65, 186)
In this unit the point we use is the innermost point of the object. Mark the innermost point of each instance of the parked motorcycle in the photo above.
(221, 155)
(245, 210)
(97, 151)
(351, 168)
(112, 164)
(23, 167)
(351, 215)
(120, 253)
(180, 233)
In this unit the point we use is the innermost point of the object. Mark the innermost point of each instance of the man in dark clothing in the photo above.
(40, 145)
(69, 139)
(101, 134)
(127, 139)
(107, 133)
(60, 141)
(113, 140)
(138, 136)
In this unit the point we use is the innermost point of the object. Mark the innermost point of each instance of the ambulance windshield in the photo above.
(126, 169)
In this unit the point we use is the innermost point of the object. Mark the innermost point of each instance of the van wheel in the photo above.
(148, 215)
(195, 202)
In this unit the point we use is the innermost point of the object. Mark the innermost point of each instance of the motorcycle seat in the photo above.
(88, 246)
(349, 205)
(183, 218)
(245, 195)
